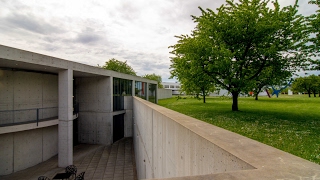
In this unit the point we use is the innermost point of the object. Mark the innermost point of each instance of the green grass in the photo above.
(289, 123)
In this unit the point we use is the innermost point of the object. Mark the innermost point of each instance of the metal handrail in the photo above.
(27, 109)
(37, 115)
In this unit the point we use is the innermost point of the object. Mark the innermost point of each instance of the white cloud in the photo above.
(93, 32)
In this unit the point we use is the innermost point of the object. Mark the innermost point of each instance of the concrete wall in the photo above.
(164, 148)
(27, 90)
(164, 93)
(169, 144)
(24, 149)
(128, 116)
(95, 109)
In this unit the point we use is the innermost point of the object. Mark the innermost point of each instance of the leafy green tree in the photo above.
(187, 70)
(154, 77)
(268, 77)
(315, 84)
(314, 25)
(242, 40)
(119, 66)
(197, 89)
(307, 84)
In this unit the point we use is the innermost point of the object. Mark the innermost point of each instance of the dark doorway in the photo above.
(75, 112)
(75, 132)
(118, 127)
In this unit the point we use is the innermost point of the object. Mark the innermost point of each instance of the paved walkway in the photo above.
(99, 163)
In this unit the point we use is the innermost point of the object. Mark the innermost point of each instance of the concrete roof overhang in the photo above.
(17, 59)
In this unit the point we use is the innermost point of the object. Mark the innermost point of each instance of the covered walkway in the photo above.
(99, 163)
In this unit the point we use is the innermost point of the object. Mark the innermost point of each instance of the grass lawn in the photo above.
(289, 123)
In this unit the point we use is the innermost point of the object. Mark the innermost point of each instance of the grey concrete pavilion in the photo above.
(48, 105)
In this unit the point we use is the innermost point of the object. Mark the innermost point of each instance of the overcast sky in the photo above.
(92, 32)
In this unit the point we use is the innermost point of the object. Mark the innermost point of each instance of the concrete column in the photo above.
(110, 90)
(65, 150)
(156, 93)
(133, 88)
(147, 91)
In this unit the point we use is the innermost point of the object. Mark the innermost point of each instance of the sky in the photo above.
(94, 31)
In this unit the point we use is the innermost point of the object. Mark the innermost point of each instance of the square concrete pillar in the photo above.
(133, 87)
(65, 149)
(147, 91)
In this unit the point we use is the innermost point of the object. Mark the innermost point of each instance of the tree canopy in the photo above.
(309, 84)
(314, 25)
(119, 66)
(236, 45)
(191, 73)
(154, 77)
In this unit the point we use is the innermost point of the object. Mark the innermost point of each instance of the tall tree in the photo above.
(119, 66)
(243, 40)
(314, 25)
(154, 77)
(189, 68)
(315, 84)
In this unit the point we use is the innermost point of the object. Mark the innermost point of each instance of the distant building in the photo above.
(174, 86)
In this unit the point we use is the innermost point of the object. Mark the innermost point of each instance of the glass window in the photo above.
(166, 86)
(171, 86)
(177, 86)
(140, 89)
(121, 87)
(152, 93)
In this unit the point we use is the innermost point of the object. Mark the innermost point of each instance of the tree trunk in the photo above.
(309, 93)
(204, 96)
(257, 93)
(235, 101)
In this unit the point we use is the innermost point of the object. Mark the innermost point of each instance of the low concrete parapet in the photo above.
(171, 145)
(164, 93)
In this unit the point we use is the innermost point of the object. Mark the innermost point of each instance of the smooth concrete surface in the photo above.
(24, 145)
(175, 146)
(21, 59)
(128, 121)
(95, 98)
(23, 149)
(164, 93)
(24, 92)
(95, 128)
(99, 162)
(94, 94)
(65, 148)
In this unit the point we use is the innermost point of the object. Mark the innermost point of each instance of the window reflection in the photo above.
(121, 88)
(152, 93)
(140, 89)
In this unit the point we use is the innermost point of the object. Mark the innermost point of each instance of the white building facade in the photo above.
(174, 86)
